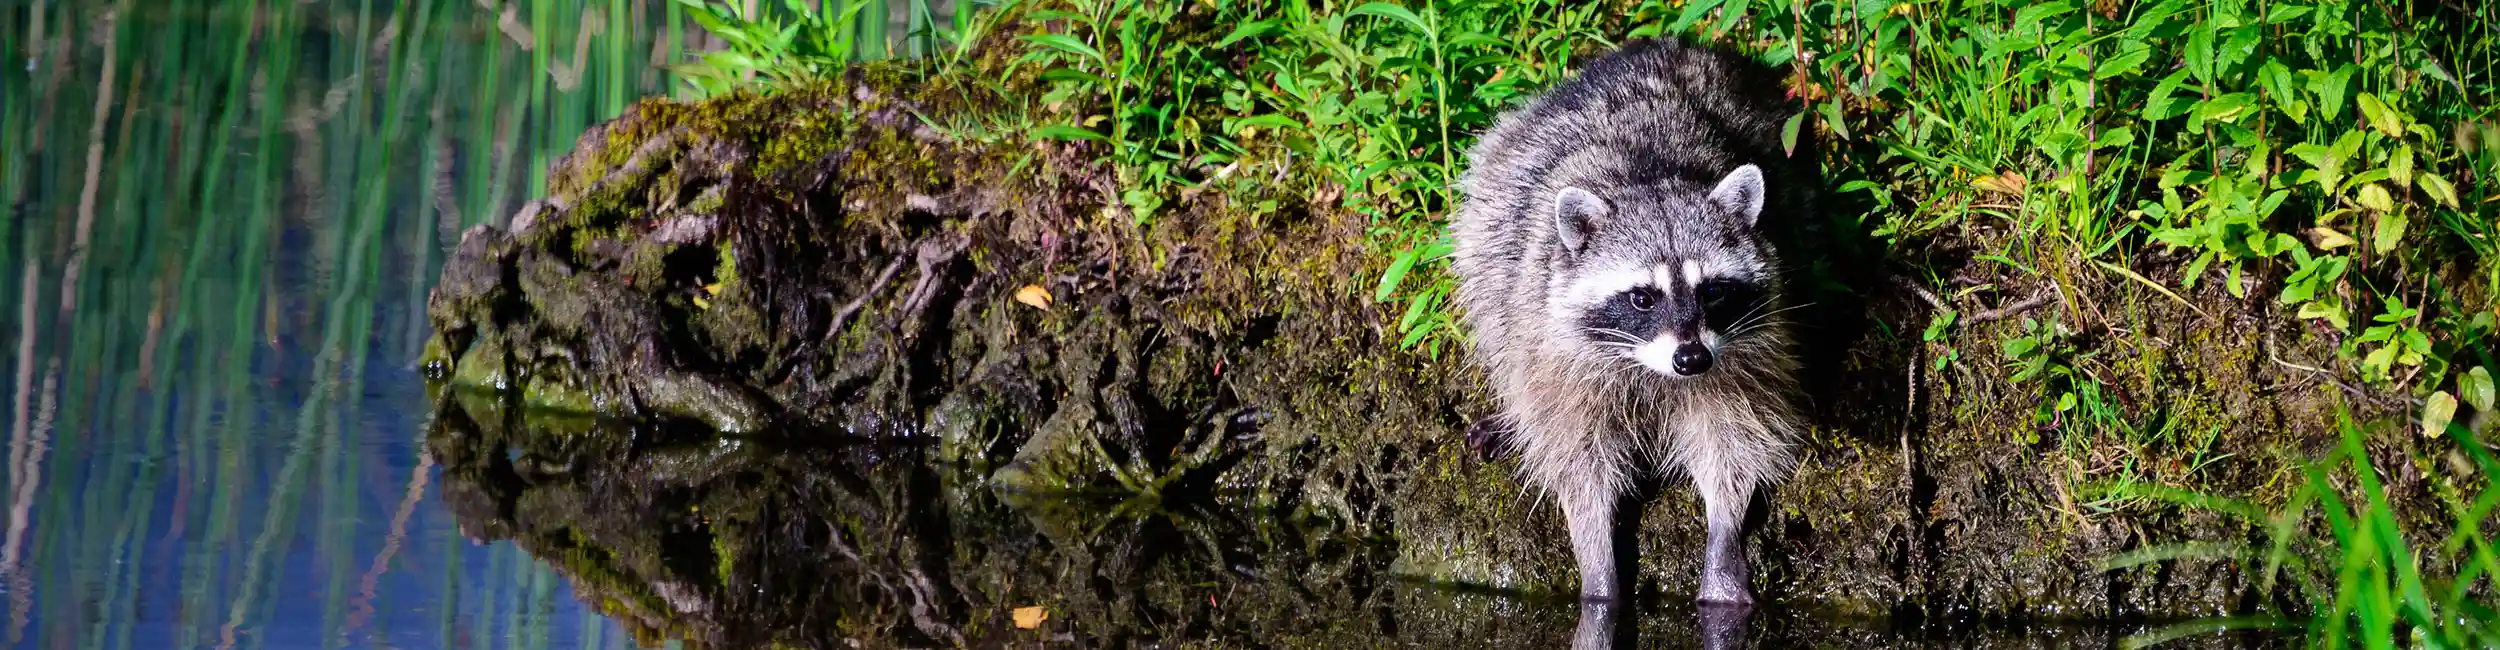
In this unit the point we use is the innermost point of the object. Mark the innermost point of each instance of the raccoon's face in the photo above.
(1672, 278)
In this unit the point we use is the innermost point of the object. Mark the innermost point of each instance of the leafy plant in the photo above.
(2337, 544)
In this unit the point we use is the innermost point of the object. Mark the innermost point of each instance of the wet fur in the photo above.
(1654, 123)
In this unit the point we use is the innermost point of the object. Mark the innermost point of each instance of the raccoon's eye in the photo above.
(1713, 292)
(1642, 300)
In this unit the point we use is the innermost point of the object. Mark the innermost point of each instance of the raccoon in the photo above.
(1624, 298)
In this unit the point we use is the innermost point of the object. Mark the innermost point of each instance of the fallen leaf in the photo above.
(2330, 239)
(713, 288)
(1035, 295)
(1030, 617)
(2007, 183)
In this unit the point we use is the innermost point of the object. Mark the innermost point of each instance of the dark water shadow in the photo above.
(731, 542)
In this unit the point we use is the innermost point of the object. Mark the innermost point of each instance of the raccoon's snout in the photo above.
(1692, 359)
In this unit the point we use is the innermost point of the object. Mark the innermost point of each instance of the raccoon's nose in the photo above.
(1692, 359)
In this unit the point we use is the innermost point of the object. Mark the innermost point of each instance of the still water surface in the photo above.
(223, 219)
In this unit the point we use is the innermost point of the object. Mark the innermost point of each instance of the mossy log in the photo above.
(818, 267)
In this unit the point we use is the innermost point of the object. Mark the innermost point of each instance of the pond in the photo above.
(224, 223)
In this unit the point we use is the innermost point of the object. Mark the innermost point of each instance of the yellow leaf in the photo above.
(2329, 239)
(2400, 165)
(1030, 617)
(2437, 187)
(2381, 116)
(713, 288)
(2374, 196)
(1035, 295)
(700, 303)
(2007, 182)
(2437, 412)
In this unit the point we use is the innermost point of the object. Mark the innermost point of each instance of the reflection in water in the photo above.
(222, 219)
(791, 541)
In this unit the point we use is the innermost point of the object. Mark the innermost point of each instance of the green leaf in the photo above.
(2125, 63)
(2478, 388)
(1416, 334)
(2380, 116)
(1937, 324)
(2227, 107)
(2437, 187)
(1391, 11)
(2330, 88)
(2380, 359)
(2437, 412)
(1788, 133)
(1250, 29)
(2020, 347)
(1270, 121)
(1415, 311)
(1065, 74)
(2283, 12)
(1069, 44)
(2391, 229)
(2200, 53)
(2322, 309)
(1389, 279)
(1693, 13)
(2242, 44)
(1734, 14)
(1831, 116)
(2160, 105)
(1066, 132)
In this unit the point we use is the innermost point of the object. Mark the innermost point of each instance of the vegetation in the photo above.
(2329, 163)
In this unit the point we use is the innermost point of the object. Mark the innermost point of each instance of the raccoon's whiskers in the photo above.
(1626, 336)
(1752, 321)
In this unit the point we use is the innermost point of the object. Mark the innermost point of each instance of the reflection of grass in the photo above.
(2361, 583)
(248, 191)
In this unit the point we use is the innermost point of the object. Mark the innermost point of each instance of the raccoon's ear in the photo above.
(1576, 212)
(1741, 193)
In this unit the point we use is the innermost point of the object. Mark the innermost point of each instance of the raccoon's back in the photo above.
(1651, 111)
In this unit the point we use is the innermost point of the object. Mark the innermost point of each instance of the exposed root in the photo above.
(2036, 300)
(842, 318)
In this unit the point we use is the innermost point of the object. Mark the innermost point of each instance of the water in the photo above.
(223, 222)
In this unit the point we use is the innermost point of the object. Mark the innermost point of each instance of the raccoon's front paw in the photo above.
(1488, 437)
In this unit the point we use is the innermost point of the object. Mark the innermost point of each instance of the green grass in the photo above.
(2337, 546)
(2325, 162)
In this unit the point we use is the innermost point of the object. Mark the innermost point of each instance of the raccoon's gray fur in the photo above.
(1623, 298)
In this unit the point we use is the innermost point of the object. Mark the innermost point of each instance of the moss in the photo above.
(552, 395)
(435, 359)
(487, 365)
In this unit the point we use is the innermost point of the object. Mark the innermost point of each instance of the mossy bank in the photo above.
(831, 264)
